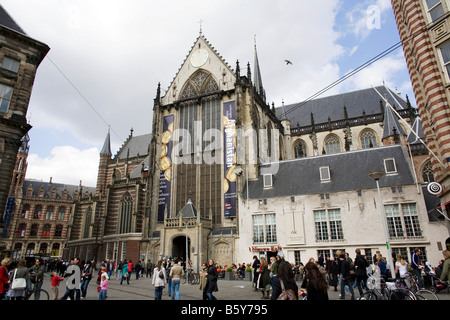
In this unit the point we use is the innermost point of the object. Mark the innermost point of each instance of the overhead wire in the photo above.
(353, 72)
(83, 97)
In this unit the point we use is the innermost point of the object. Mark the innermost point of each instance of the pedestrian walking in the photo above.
(21, 271)
(346, 278)
(445, 275)
(255, 265)
(4, 279)
(36, 277)
(55, 280)
(285, 274)
(73, 281)
(86, 276)
(103, 286)
(125, 273)
(315, 283)
(264, 279)
(202, 277)
(159, 280)
(416, 265)
(273, 269)
(176, 273)
(361, 265)
(333, 273)
(211, 283)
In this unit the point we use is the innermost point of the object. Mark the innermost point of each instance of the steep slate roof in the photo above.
(356, 102)
(107, 145)
(7, 21)
(391, 124)
(188, 211)
(349, 171)
(418, 129)
(59, 188)
(136, 145)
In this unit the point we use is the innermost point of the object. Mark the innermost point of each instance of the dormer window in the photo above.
(389, 166)
(268, 181)
(325, 174)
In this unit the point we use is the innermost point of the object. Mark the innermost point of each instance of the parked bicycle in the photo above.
(191, 277)
(386, 291)
(422, 294)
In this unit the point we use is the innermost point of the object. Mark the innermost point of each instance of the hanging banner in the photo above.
(9, 209)
(229, 142)
(166, 168)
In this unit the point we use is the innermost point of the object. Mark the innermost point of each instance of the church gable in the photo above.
(203, 70)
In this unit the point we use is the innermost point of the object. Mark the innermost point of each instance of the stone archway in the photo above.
(179, 247)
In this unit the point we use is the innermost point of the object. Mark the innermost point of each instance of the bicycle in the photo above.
(191, 277)
(422, 294)
(36, 294)
(386, 291)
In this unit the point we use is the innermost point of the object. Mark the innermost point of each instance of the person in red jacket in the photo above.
(4, 280)
(55, 284)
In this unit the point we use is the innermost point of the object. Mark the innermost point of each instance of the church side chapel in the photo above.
(225, 175)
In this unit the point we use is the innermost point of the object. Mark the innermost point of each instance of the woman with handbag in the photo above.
(19, 281)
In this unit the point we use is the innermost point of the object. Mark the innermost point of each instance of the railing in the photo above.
(185, 222)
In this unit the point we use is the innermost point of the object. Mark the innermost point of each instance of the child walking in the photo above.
(103, 287)
(55, 279)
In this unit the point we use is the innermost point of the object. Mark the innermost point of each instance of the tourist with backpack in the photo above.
(284, 279)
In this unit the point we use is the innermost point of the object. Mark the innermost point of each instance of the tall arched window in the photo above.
(427, 172)
(332, 144)
(200, 101)
(87, 223)
(126, 213)
(300, 149)
(368, 139)
(269, 140)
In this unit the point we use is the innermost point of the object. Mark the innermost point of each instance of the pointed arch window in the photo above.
(300, 149)
(126, 214)
(427, 172)
(332, 144)
(368, 139)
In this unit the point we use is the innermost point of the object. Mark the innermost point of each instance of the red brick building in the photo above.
(424, 28)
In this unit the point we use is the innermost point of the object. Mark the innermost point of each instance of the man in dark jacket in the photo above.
(346, 277)
(361, 265)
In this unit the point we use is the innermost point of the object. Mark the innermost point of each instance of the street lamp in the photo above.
(377, 176)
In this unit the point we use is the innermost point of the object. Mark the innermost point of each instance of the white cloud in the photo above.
(366, 16)
(65, 164)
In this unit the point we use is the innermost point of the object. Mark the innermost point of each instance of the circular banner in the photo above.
(434, 188)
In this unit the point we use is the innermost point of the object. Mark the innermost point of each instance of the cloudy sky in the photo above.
(107, 57)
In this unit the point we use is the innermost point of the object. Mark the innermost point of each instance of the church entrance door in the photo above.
(179, 247)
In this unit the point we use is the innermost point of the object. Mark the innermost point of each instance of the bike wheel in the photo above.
(424, 294)
(402, 295)
(38, 295)
(369, 296)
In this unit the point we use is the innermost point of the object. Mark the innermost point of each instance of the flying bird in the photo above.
(288, 62)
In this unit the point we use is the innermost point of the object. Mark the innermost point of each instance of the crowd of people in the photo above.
(275, 278)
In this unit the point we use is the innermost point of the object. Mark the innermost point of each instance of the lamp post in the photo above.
(377, 176)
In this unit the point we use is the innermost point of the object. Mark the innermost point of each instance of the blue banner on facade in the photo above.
(166, 168)
(9, 210)
(229, 143)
